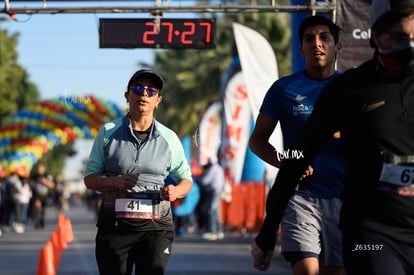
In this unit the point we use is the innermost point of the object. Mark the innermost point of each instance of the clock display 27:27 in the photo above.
(150, 33)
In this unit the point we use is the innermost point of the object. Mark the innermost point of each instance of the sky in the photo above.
(62, 56)
(61, 52)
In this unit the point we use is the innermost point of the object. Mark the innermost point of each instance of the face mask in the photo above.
(398, 62)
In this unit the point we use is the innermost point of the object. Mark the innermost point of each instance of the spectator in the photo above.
(14, 187)
(212, 184)
(62, 195)
(42, 186)
(25, 197)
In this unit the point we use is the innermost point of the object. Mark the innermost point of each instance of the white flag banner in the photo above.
(258, 63)
(236, 130)
(259, 67)
(209, 135)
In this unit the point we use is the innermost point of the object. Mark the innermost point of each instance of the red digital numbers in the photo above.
(147, 33)
(187, 33)
(207, 25)
(170, 28)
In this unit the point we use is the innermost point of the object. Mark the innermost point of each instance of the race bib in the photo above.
(138, 206)
(401, 175)
(398, 179)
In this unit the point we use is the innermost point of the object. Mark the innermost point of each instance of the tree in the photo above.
(193, 76)
(55, 158)
(16, 91)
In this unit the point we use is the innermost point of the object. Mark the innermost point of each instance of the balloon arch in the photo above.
(29, 133)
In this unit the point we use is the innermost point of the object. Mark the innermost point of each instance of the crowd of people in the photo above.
(24, 198)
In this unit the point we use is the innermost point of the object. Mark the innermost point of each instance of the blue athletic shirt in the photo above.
(290, 101)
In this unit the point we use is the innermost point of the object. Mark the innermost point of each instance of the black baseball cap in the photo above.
(147, 74)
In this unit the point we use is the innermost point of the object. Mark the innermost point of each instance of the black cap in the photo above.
(147, 74)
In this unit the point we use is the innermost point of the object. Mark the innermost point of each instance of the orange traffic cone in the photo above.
(62, 237)
(68, 231)
(61, 232)
(62, 229)
(46, 260)
(61, 218)
(57, 249)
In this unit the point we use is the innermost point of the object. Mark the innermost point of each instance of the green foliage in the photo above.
(16, 91)
(55, 159)
(193, 76)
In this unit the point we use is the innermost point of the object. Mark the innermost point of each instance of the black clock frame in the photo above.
(153, 33)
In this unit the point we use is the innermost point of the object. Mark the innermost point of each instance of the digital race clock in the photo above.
(162, 33)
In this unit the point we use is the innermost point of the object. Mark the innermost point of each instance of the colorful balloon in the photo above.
(28, 134)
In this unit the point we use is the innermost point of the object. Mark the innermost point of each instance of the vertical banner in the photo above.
(258, 63)
(209, 134)
(353, 19)
(259, 68)
(236, 127)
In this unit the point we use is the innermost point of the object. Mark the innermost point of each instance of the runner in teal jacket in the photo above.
(130, 159)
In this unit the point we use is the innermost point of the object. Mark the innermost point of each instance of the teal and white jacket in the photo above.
(116, 151)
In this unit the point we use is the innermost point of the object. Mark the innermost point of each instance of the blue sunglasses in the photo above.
(139, 90)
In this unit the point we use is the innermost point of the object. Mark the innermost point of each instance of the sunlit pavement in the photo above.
(19, 253)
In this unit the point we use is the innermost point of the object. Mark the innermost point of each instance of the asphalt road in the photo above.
(19, 253)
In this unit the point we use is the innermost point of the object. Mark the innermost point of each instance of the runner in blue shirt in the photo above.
(310, 238)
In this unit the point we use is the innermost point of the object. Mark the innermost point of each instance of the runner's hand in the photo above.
(261, 261)
(307, 172)
(169, 193)
(124, 182)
